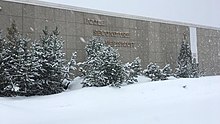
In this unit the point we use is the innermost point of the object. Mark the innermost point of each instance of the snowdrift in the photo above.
(174, 101)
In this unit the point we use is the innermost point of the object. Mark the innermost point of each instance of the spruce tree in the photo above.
(155, 73)
(35, 69)
(67, 70)
(24, 60)
(112, 66)
(102, 67)
(195, 69)
(132, 71)
(184, 60)
(166, 72)
(38, 70)
(14, 63)
(51, 59)
(92, 48)
(152, 71)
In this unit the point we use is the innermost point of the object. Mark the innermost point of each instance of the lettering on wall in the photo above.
(94, 22)
(119, 43)
(111, 33)
(105, 33)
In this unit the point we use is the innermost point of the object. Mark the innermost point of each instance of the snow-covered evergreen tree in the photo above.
(155, 73)
(132, 71)
(166, 72)
(36, 52)
(152, 71)
(38, 70)
(92, 48)
(34, 68)
(112, 66)
(184, 60)
(67, 70)
(102, 67)
(195, 69)
(51, 60)
(16, 76)
(24, 80)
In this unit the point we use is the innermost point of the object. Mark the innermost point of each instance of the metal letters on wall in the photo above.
(106, 33)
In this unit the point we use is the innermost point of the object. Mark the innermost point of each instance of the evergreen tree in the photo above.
(132, 71)
(152, 72)
(155, 74)
(112, 66)
(195, 69)
(166, 72)
(102, 67)
(67, 70)
(184, 61)
(14, 63)
(24, 80)
(51, 60)
(39, 70)
(92, 48)
(35, 68)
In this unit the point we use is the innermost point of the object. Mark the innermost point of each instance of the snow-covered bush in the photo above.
(67, 70)
(102, 67)
(152, 71)
(186, 68)
(195, 69)
(155, 74)
(132, 70)
(166, 72)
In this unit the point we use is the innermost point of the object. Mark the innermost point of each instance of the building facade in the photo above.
(152, 40)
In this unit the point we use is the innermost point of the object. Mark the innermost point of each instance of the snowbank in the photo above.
(176, 101)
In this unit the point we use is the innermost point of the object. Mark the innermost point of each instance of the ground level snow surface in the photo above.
(176, 101)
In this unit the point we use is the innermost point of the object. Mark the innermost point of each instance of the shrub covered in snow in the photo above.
(67, 70)
(195, 69)
(102, 67)
(155, 74)
(166, 72)
(132, 70)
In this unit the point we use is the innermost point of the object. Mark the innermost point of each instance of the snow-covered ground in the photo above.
(176, 101)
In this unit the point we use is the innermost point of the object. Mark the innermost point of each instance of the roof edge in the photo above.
(101, 12)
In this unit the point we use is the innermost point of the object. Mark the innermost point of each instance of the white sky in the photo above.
(204, 12)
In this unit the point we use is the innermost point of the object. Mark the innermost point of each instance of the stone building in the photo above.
(153, 40)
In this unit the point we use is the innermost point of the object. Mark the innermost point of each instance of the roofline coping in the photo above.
(101, 12)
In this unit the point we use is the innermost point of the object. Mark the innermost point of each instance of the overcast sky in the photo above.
(204, 12)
